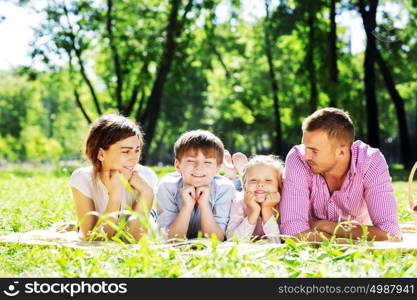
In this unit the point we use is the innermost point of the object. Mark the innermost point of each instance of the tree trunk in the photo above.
(333, 70)
(310, 60)
(152, 110)
(78, 54)
(116, 59)
(369, 22)
(277, 141)
(406, 155)
(75, 89)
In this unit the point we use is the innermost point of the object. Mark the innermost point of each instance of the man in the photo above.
(330, 178)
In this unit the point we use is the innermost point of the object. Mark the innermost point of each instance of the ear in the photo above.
(343, 150)
(244, 188)
(101, 154)
(177, 165)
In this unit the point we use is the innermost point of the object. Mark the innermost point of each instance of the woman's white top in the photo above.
(82, 180)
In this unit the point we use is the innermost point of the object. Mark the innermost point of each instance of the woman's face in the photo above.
(123, 154)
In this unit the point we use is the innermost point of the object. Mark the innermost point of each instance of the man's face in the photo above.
(321, 152)
(196, 168)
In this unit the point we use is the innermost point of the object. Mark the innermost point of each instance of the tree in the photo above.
(128, 58)
(369, 21)
(277, 142)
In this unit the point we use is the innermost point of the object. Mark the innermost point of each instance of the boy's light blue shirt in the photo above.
(222, 193)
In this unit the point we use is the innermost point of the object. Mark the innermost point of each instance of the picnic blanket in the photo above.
(59, 237)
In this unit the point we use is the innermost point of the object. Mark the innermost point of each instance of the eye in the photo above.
(208, 163)
(252, 180)
(126, 152)
(269, 180)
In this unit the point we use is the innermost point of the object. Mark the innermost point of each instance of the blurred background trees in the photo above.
(185, 64)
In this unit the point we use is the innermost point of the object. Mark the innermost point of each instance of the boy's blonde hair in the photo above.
(268, 160)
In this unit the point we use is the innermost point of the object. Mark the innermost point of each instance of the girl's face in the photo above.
(261, 179)
(123, 154)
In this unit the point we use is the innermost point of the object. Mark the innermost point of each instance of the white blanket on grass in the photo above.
(54, 237)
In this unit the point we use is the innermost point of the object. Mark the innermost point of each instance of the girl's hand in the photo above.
(271, 200)
(250, 201)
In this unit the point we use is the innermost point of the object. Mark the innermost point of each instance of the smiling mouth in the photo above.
(259, 192)
(198, 176)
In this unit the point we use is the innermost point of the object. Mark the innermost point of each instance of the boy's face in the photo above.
(196, 168)
(261, 179)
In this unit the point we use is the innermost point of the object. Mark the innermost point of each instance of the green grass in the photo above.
(36, 199)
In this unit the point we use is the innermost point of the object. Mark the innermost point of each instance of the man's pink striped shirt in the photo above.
(366, 195)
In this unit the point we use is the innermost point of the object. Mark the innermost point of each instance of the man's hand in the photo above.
(324, 226)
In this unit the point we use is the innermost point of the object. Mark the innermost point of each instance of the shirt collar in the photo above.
(354, 149)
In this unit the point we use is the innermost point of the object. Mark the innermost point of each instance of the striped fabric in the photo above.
(366, 196)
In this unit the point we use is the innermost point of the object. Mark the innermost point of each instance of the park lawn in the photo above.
(38, 199)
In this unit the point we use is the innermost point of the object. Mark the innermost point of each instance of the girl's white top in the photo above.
(82, 180)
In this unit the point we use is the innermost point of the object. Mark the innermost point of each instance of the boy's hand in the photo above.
(188, 196)
(271, 200)
(202, 195)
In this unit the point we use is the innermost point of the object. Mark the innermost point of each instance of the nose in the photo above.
(307, 155)
(134, 156)
(259, 184)
(198, 165)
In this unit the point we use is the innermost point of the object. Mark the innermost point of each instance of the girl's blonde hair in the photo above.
(268, 160)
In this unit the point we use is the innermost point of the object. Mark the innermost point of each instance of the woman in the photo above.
(114, 181)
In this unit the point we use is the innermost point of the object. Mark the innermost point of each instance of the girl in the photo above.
(255, 213)
(114, 180)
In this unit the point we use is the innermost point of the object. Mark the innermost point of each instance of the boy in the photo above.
(195, 198)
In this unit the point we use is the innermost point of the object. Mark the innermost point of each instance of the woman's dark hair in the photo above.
(106, 131)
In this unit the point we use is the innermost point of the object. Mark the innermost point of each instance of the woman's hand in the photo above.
(112, 181)
(139, 184)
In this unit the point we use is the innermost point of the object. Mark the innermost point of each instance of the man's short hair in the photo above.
(199, 140)
(335, 122)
